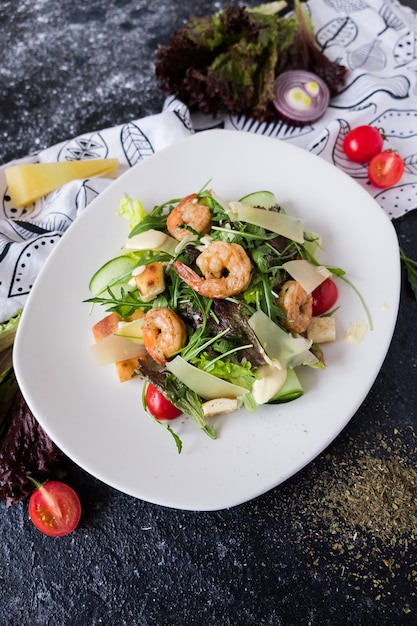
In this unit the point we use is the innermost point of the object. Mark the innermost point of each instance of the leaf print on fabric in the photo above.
(17, 231)
(26, 230)
(275, 129)
(85, 195)
(391, 20)
(135, 143)
(347, 6)
(31, 258)
(338, 32)
(366, 85)
(405, 50)
(4, 247)
(181, 111)
(320, 142)
(398, 200)
(397, 123)
(89, 146)
(12, 212)
(370, 56)
(410, 163)
(356, 170)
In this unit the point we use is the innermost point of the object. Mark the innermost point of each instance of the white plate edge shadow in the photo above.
(223, 498)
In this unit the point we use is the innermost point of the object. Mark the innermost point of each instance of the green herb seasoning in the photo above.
(353, 515)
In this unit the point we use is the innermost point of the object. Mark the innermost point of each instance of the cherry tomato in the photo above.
(54, 508)
(362, 143)
(324, 297)
(385, 169)
(159, 406)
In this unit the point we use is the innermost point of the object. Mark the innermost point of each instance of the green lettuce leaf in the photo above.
(8, 331)
(132, 210)
(242, 375)
(230, 60)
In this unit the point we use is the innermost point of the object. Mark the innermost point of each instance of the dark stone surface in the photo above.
(73, 66)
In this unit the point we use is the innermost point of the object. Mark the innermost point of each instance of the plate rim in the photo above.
(196, 138)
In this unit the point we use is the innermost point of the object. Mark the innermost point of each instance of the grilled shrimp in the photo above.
(226, 270)
(189, 213)
(163, 333)
(297, 305)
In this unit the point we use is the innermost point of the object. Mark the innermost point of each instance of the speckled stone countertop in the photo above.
(302, 554)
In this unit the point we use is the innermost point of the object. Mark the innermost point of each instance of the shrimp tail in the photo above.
(188, 275)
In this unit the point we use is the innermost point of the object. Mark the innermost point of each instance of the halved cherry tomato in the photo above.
(362, 143)
(385, 169)
(159, 406)
(324, 297)
(54, 508)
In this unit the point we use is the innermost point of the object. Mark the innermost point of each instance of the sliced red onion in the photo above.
(301, 97)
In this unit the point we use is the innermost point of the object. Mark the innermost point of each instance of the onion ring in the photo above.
(301, 97)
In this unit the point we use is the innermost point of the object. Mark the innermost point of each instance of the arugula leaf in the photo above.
(411, 269)
(155, 219)
(179, 394)
(157, 222)
(172, 432)
(125, 304)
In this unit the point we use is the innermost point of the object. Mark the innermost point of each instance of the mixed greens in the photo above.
(229, 61)
(236, 345)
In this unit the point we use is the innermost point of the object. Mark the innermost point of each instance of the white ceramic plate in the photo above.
(100, 423)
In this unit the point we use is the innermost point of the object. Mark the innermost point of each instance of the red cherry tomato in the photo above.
(159, 406)
(385, 169)
(54, 508)
(324, 297)
(362, 143)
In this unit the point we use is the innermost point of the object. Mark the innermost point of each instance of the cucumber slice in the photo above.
(264, 199)
(291, 389)
(116, 274)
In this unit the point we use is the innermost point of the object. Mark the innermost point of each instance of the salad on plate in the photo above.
(215, 304)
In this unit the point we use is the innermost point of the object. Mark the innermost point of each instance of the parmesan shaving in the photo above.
(309, 276)
(280, 223)
(204, 384)
(116, 348)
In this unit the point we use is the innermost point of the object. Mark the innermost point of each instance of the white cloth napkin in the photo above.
(375, 39)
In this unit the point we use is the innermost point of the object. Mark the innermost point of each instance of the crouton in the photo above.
(219, 406)
(322, 329)
(106, 326)
(151, 282)
(127, 369)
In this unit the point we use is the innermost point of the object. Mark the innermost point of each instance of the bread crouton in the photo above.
(127, 369)
(151, 282)
(219, 406)
(322, 329)
(106, 326)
